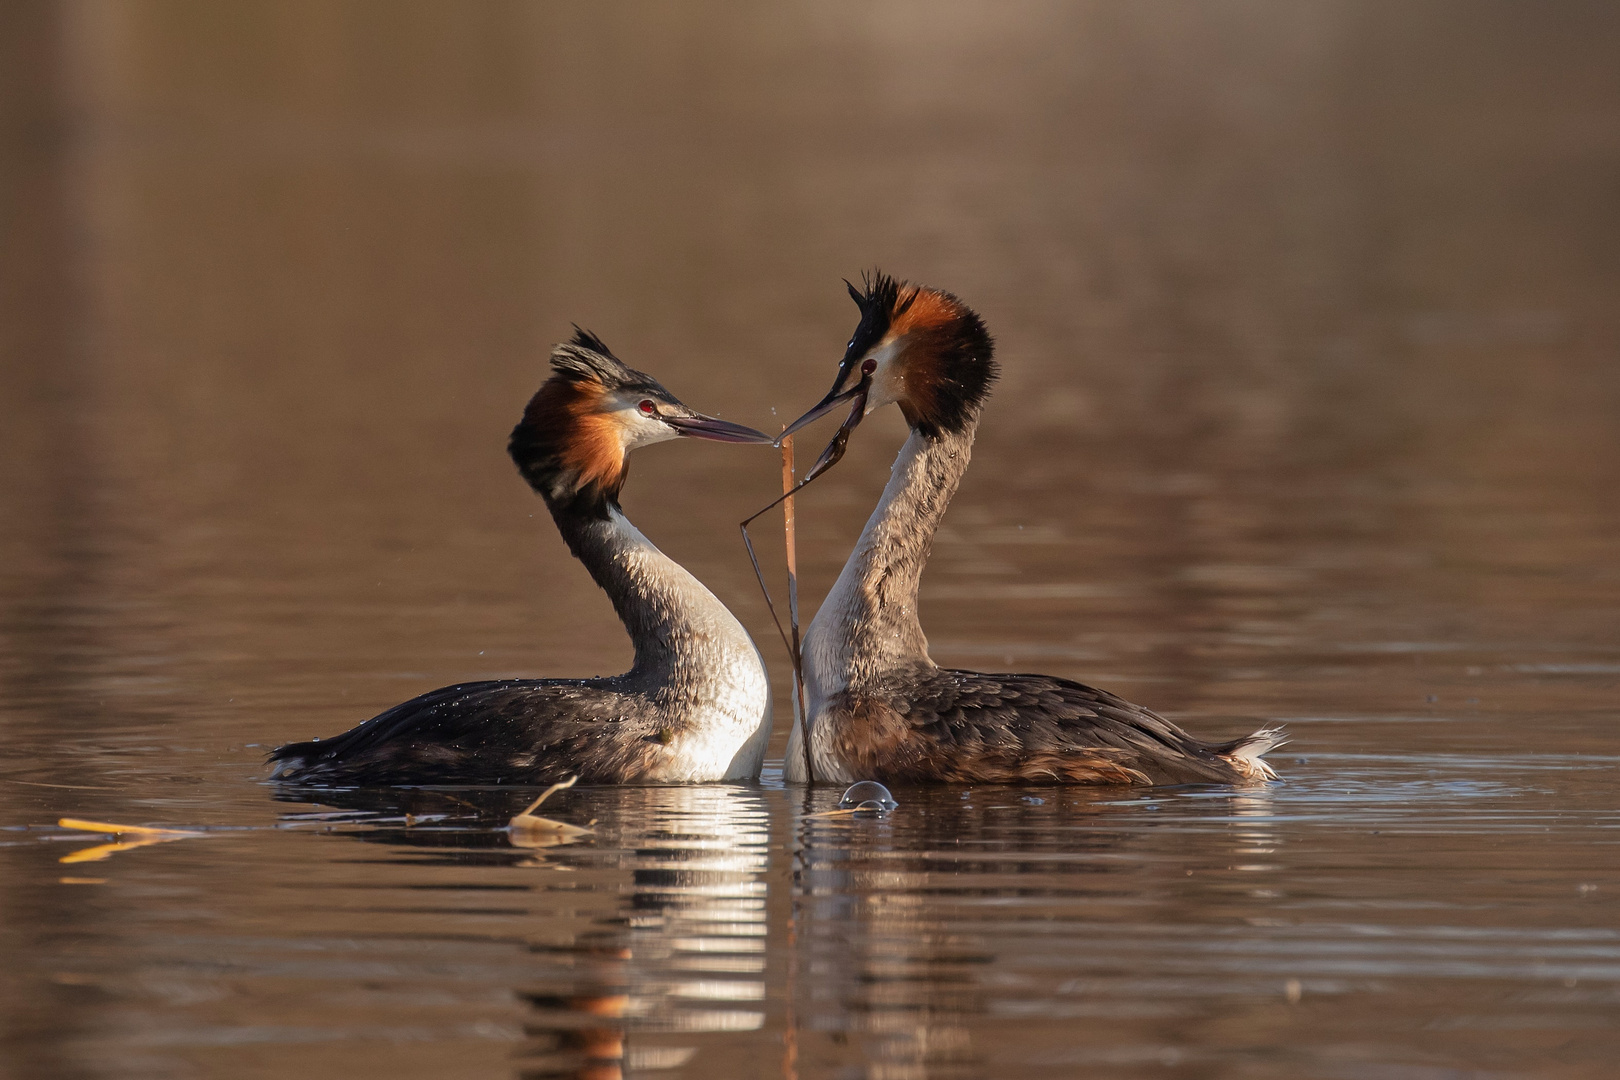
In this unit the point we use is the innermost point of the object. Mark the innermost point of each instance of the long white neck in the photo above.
(868, 623)
(683, 634)
(694, 660)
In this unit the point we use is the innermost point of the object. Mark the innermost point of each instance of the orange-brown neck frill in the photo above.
(567, 448)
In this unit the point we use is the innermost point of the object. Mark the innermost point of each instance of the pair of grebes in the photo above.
(695, 707)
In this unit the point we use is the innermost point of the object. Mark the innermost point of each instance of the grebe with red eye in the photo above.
(879, 708)
(695, 706)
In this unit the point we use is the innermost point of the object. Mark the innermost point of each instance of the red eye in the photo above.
(868, 367)
(648, 407)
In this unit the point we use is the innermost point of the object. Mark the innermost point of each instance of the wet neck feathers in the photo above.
(868, 623)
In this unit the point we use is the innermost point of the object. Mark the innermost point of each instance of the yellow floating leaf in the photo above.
(97, 853)
(120, 830)
(131, 837)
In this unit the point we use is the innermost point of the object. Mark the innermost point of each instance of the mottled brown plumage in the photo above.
(940, 724)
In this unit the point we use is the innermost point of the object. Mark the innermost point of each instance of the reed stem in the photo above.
(790, 531)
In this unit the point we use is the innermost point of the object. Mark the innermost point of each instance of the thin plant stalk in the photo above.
(829, 458)
(790, 530)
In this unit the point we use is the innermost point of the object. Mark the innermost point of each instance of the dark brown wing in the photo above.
(929, 723)
(513, 731)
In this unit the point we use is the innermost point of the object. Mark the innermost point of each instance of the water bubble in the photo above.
(868, 797)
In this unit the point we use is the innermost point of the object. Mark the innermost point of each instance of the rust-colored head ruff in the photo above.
(934, 357)
(569, 446)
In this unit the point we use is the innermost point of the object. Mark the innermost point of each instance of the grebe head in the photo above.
(574, 441)
(916, 347)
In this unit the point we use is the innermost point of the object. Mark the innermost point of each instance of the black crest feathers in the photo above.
(876, 298)
(877, 288)
(587, 357)
(584, 339)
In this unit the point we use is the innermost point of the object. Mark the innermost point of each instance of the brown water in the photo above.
(1311, 413)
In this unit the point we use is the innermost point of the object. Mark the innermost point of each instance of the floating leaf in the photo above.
(529, 830)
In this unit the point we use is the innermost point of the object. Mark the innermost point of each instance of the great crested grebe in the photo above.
(879, 707)
(696, 705)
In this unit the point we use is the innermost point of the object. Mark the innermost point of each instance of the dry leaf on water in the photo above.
(528, 830)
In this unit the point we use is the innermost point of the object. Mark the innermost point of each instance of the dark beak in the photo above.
(827, 405)
(698, 426)
(856, 396)
(840, 440)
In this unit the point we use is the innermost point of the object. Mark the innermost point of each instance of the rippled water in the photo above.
(1378, 915)
(1309, 415)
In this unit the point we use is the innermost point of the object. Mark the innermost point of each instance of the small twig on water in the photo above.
(548, 793)
(529, 829)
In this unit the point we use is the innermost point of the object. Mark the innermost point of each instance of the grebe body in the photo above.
(694, 707)
(878, 707)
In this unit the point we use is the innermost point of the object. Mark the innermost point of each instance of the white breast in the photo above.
(728, 731)
(725, 730)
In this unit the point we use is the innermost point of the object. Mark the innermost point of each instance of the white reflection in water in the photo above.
(652, 966)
